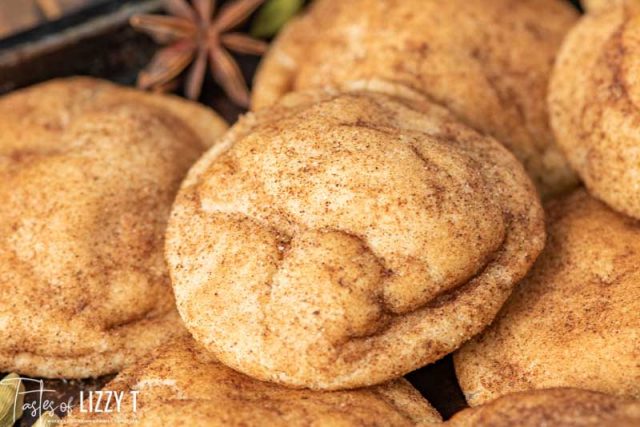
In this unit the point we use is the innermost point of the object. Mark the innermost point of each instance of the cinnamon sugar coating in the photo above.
(488, 61)
(566, 407)
(593, 100)
(88, 172)
(592, 6)
(183, 384)
(341, 240)
(575, 320)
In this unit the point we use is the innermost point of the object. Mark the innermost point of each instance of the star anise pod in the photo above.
(193, 37)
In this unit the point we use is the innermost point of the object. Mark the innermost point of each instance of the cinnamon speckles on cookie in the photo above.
(88, 172)
(575, 320)
(567, 407)
(181, 383)
(488, 61)
(341, 240)
(593, 101)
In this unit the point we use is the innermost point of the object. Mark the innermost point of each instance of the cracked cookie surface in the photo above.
(340, 240)
(184, 384)
(488, 61)
(575, 319)
(88, 172)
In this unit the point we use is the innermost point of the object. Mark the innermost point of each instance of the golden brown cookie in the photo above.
(182, 384)
(88, 172)
(559, 407)
(341, 240)
(575, 320)
(488, 61)
(592, 6)
(593, 100)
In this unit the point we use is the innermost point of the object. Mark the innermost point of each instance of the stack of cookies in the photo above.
(382, 207)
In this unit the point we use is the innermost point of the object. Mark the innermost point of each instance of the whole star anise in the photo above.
(192, 36)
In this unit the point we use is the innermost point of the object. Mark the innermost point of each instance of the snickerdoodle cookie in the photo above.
(593, 100)
(88, 172)
(338, 240)
(488, 61)
(575, 320)
(182, 384)
(559, 407)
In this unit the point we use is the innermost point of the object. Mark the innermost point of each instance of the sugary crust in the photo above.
(88, 172)
(123, 347)
(596, 6)
(575, 320)
(488, 61)
(593, 100)
(183, 384)
(341, 240)
(564, 407)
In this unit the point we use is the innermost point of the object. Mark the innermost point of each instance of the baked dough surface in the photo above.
(488, 61)
(88, 172)
(593, 101)
(575, 320)
(182, 384)
(567, 407)
(341, 240)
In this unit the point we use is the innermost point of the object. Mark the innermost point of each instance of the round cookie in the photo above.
(88, 172)
(488, 61)
(562, 407)
(575, 320)
(339, 240)
(593, 102)
(184, 385)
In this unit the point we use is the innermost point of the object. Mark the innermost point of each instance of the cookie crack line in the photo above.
(443, 297)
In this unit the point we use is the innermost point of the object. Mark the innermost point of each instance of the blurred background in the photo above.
(44, 39)
(21, 15)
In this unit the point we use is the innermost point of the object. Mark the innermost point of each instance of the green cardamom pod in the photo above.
(48, 419)
(11, 399)
(273, 15)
